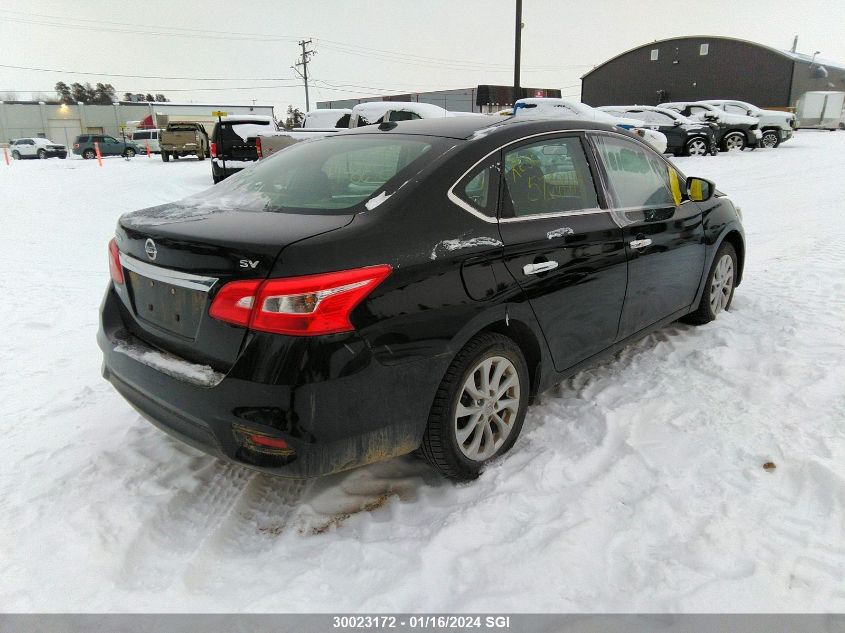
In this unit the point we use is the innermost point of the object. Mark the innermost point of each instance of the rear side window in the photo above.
(140, 136)
(480, 189)
(550, 176)
(637, 177)
(326, 174)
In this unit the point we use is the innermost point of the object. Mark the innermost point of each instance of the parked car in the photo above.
(736, 132)
(684, 136)
(775, 125)
(147, 138)
(183, 138)
(375, 112)
(414, 286)
(36, 147)
(327, 118)
(109, 146)
(566, 108)
(233, 143)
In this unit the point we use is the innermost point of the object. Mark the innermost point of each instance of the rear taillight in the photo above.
(301, 306)
(115, 268)
(258, 147)
(214, 150)
(76, 146)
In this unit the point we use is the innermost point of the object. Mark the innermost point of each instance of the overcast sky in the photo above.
(366, 48)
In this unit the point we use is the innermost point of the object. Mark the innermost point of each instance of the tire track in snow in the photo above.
(165, 545)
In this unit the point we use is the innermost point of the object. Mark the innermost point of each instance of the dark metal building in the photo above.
(704, 67)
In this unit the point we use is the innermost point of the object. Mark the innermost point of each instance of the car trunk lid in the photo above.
(176, 257)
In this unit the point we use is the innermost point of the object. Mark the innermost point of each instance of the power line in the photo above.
(79, 72)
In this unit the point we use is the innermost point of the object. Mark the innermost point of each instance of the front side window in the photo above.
(110, 139)
(548, 177)
(637, 178)
(736, 109)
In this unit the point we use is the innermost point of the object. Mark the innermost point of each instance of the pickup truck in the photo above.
(233, 142)
(183, 138)
(268, 143)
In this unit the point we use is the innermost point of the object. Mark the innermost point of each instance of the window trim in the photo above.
(600, 191)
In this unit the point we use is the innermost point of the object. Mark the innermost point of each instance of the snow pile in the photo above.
(201, 375)
(375, 201)
(454, 245)
(637, 485)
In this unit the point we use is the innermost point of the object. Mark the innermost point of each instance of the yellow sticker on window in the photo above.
(696, 190)
(675, 186)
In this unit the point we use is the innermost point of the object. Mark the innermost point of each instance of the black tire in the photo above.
(62, 156)
(16, 155)
(42, 154)
(696, 147)
(175, 155)
(771, 139)
(440, 443)
(129, 153)
(705, 313)
(200, 156)
(165, 156)
(88, 154)
(734, 140)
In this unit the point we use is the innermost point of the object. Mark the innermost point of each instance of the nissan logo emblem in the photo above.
(150, 249)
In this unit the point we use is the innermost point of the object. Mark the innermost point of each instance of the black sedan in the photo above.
(405, 287)
(684, 136)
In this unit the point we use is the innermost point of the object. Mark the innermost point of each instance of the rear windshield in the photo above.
(240, 131)
(325, 175)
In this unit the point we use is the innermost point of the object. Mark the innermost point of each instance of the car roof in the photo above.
(464, 127)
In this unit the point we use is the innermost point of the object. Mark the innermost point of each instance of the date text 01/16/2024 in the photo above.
(421, 622)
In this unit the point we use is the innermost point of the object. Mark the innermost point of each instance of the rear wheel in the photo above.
(733, 141)
(16, 155)
(771, 139)
(479, 408)
(719, 289)
(89, 154)
(696, 147)
(200, 156)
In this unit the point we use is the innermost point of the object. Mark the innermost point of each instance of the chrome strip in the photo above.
(165, 275)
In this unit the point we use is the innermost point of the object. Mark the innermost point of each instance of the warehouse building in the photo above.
(483, 98)
(704, 67)
(62, 123)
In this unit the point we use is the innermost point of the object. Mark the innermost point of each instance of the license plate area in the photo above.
(173, 308)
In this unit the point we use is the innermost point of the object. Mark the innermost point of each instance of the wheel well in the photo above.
(735, 240)
(523, 336)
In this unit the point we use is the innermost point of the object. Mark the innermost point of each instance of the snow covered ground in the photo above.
(636, 486)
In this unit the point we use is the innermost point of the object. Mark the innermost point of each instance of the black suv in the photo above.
(684, 136)
(405, 286)
(233, 143)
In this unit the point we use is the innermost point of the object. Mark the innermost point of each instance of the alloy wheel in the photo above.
(734, 141)
(487, 408)
(722, 284)
(770, 140)
(697, 147)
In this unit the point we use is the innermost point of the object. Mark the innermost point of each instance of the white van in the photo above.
(144, 138)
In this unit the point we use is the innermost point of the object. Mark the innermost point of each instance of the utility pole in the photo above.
(307, 54)
(517, 51)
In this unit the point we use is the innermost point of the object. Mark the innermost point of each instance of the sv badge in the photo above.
(249, 263)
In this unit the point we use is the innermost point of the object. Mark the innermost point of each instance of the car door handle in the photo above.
(540, 267)
(640, 243)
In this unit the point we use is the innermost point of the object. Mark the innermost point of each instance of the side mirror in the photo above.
(699, 189)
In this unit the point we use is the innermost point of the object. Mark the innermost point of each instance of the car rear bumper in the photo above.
(344, 409)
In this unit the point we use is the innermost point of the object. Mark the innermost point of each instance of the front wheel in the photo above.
(88, 154)
(129, 153)
(771, 139)
(696, 147)
(42, 154)
(719, 289)
(733, 141)
(165, 156)
(479, 407)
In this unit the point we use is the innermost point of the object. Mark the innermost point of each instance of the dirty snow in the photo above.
(201, 375)
(565, 230)
(458, 244)
(637, 485)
